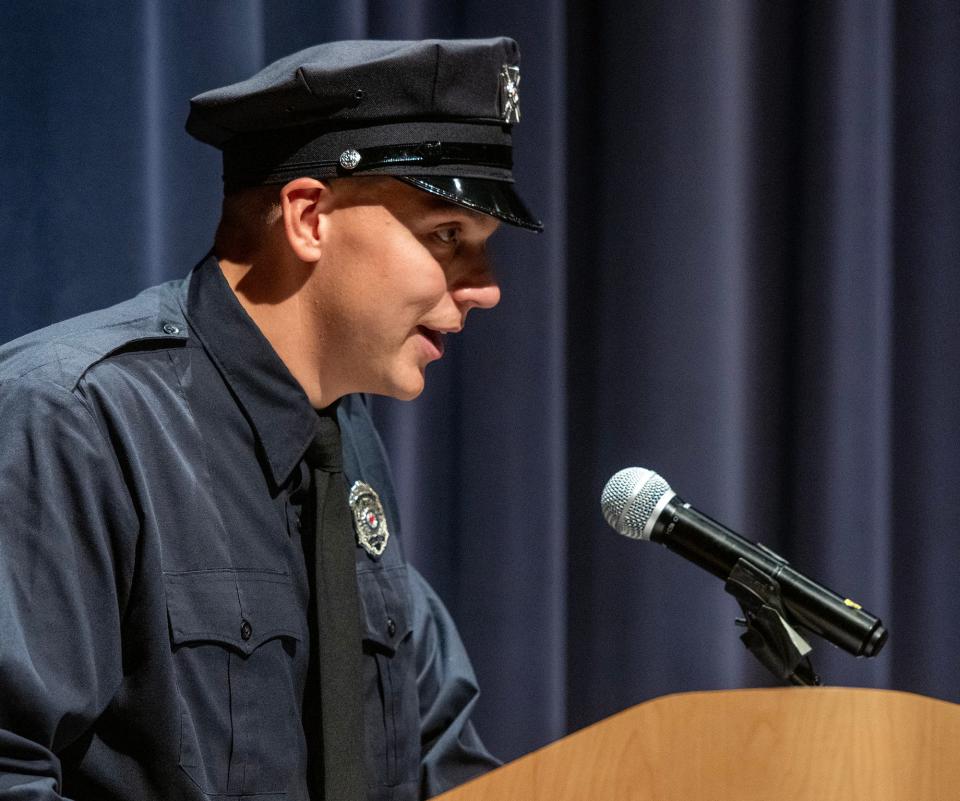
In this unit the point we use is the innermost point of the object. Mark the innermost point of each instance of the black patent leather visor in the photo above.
(496, 198)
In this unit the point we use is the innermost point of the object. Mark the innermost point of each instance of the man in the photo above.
(202, 592)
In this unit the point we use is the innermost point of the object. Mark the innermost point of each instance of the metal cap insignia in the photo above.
(510, 93)
(369, 519)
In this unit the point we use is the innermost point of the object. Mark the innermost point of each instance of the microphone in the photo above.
(639, 504)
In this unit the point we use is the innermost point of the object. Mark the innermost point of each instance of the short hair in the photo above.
(249, 213)
(245, 217)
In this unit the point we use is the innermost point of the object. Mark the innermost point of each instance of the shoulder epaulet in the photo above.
(64, 351)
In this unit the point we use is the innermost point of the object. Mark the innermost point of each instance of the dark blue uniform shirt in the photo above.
(153, 591)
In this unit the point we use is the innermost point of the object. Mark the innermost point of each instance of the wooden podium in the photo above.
(822, 744)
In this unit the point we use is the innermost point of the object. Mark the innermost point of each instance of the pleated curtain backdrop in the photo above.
(748, 283)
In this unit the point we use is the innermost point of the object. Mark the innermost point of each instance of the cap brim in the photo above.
(496, 198)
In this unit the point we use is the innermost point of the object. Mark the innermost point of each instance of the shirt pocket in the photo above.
(391, 707)
(235, 636)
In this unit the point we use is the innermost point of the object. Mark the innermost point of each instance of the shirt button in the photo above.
(170, 328)
(246, 630)
(391, 626)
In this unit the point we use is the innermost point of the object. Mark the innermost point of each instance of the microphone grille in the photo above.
(630, 498)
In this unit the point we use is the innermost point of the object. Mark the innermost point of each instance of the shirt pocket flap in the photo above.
(385, 606)
(237, 608)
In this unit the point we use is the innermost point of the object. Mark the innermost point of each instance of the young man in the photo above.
(202, 592)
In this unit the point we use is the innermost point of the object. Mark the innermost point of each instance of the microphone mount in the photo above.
(769, 635)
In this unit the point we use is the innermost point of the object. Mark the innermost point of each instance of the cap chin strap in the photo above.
(354, 161)
(426, 154)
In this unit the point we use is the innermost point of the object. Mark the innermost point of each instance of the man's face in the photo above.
(400, 269)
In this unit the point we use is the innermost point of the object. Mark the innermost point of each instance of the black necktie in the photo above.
(336, 739)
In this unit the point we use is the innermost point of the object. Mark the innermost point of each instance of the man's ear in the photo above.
(306, 202)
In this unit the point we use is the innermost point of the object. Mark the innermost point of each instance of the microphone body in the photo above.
(653, 511)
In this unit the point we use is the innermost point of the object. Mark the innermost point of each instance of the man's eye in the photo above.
(447, 235)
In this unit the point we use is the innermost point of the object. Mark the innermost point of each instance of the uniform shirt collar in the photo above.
(274, 402)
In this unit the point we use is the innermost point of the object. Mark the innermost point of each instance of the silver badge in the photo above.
(368, 518)
(510, 93)
(349, 159)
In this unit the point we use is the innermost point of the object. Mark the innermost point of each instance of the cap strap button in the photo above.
(349, 159)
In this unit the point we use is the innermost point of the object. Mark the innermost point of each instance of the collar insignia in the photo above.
(369, 519)
(509, 93)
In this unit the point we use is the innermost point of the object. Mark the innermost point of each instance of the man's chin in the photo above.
(407, 396)
(407, 389)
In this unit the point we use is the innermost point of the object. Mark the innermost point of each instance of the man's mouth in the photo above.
(435, 338)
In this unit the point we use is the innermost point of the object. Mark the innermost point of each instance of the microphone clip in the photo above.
(769, 636)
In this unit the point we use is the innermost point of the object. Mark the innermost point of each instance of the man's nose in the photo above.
(477, 295)
(473, 285)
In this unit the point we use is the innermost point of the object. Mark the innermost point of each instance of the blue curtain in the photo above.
(748, 283)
